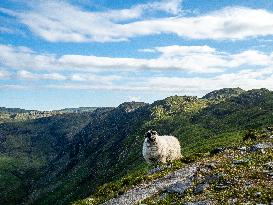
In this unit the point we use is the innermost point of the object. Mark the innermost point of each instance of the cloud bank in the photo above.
(58, 21)
(192, 59)
(207, 69)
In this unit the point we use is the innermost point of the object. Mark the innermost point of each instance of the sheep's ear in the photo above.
(148, 134)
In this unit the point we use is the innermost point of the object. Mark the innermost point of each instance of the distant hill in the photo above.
(77, 110)
(223, 93)
(17, 114)
(75, 153)
(13, 110)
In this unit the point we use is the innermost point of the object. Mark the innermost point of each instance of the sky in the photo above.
(73, 53)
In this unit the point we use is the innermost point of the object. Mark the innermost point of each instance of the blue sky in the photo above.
(57, 54)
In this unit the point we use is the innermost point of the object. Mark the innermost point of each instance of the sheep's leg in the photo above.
(164, 160)
(169, 164)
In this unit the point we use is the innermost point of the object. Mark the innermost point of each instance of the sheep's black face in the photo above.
(151, 135)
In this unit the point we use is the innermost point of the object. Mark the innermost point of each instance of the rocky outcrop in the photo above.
(171, 182)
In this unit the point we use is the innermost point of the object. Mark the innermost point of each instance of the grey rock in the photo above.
(258, 194)
(155, 170)
(206, 202)
(221, 186)
(145, 190)
(217, 150)
(242, 148)
(260, 147)
(211, 165)
(213, 178)
(269, 165)
(163, 196)
(179, 187)
(248, 184)
(201, 188)
(268, 173)
(241, 161)
(233, 201)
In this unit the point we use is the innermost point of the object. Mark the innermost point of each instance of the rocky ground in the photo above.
(238, 175)
(241, 174)
(177, 181)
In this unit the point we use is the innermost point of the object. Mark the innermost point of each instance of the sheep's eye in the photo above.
(148, 134)
(151, 139)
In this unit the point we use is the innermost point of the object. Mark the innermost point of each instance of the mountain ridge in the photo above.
(108, 143)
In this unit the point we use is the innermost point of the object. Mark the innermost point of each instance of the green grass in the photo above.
(118, 187)
(194, 152)
(239, 174)
(201, 145)
(109, 147)
(251, 172)
(11, 170)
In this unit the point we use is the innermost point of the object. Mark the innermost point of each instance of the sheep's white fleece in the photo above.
(164, 149)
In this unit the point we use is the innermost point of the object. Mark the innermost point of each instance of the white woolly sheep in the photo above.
(160, 149)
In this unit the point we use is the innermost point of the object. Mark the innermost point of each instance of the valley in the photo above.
(65, 157)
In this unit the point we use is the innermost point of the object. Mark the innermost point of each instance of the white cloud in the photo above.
(4, 74)
(135, 98)
(252, 57)
(27, 75)
(74, 77)
(195, 59)
(25, 58)
(53, 76)
(135, 12)
(5, 30)
(77, 25)
(23, 74)
(74, 24)
(146, 50)
(95, 79)
(247, 69)
(14, 87)
(168, 6)
(198, 59)
(245, 79)
(184, 50)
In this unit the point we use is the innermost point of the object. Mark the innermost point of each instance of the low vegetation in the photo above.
(235, 175)
(88, 154)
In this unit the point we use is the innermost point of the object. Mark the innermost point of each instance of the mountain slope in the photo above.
(233, 175)
(223, 94)
(30, 145)
(108, 145)
(18, 115)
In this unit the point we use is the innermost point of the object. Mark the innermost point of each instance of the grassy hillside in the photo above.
(28, 146)
(19, 115)
(109, 145)
(232, 175)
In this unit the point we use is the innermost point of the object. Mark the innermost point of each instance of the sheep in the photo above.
(160, 149)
